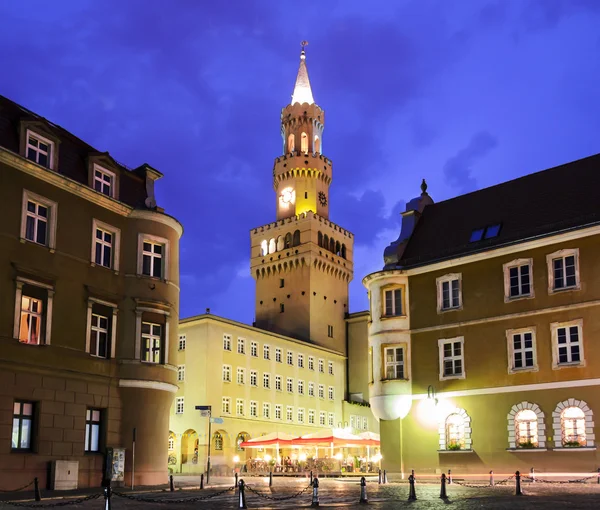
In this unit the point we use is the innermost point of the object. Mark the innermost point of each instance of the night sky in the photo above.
(466, 94)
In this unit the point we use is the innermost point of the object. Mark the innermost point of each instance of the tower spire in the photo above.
(302, 91)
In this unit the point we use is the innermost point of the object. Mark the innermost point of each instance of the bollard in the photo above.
(449, 477)
(384, 476)
(242, 497)
(107, 495)
(491, 478)
(202, 481)
(311, 477)
(412, 495)
(36, 489)
(598, 476)
(270, 478)
(443, 494)
(363, 491)
(518, 491)
(171, 484)
(315, 496)
(532, 475)
(236, 480)
(380, 476)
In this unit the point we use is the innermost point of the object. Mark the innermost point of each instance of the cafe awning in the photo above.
(333, 437)
(272, 439)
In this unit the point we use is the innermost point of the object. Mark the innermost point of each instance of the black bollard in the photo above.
(242, 495)
(363, 491)
(36, 489)
(171, 484)
(315, 496)
(518, 491)
(107, 495)
(380, 476)
(443, 494)
(384, 477)
(412, 494)
(202, 481)
(236, 480)
(491, 478)
(449, 477)
(270, 478)
(532, 475)
(311, 477)
(598, 476)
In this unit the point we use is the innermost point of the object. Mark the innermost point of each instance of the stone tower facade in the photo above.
(302, 262)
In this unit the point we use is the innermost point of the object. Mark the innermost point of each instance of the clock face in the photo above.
(322, 198)
(287, 196)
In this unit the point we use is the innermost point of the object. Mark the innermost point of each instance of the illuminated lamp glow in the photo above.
(430, 415)
(390, 407)
(287, 196)
(236, 459)
(338, 456)
(302, 457)
(267, 457)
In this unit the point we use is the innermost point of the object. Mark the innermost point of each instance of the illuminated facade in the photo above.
(482, 338)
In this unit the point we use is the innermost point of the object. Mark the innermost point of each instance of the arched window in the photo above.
(326, 242)
(343, 251)
(272, 246)
(332, 245)
(317, 145)
(241, 437)
(291, 143)
(288, 241)
(455, 431)
(337, 248)
(573, 427)
(264, 247)
(171, 442)
(526, 429)
(279, 243)
(320, 239)
(304, 143)
(218, 441)
(296, 240)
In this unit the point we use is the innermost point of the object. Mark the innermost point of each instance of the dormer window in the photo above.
(39, 149)
(485, 233)
(104, 181)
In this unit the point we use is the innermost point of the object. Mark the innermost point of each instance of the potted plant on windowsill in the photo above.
(453, 446)
(572, 444)
(527, 445)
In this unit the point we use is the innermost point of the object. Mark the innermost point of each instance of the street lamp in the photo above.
(205, 411)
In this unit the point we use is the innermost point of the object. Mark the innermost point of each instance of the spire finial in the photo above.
(302, 92)
(304, 44)
(424, 187)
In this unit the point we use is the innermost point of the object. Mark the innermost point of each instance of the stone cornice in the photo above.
(163, 218)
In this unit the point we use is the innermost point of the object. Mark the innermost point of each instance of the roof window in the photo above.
(485, 233)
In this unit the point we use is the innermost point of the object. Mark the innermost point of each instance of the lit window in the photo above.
(522, 349)
(311, 416)
(322, 418)
(38, 219)
(241, 375)
(330, 392)
(22, 428)
(394, 363)
(92, 429)
(289, 415)
(266, 352)
(278, 411)
(104, 181)
(526, 429)
(449, 295)
(331, 419)
(266, 410)
(39, 150)
(241, 437)
(393, 302)
(321, 366)
(321, 391)
(30, 329)
(304, 143)
(568, 346)
(451, 358)
(311, 363)
(290, 358)
(330, 365)
(300, 360)
(278, 382)
(311, 389)
(300, 387)
(241, 346)
(151, 342)
(152, 259)
(182, 339)
(227, 342)
(181, 373)
(264, 248)
(226, 373)
(300, 415)
(290, 385)
(179, 405)
(253, 378)
(239, 407)
(99, 336)
(253, 409)
(563, 270)
(267, 381)
(254, 349)
(226, 405)
(572, 421)
(277, 354)
(218, 441)
(455, 432)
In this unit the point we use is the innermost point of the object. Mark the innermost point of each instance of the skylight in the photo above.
(485, 233)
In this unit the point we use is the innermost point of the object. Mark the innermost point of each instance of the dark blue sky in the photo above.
(466, 94)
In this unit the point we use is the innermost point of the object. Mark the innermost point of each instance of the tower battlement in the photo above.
(298, 218)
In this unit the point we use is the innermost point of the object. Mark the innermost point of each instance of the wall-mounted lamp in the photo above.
(431, 394)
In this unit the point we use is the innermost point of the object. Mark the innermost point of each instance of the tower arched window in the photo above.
(296, 239)
(343, 251)
(264, 247)
(288, 241)
(218, 441)
(332, 245)
(304, 143)
(317, 145)
(320, 239)
(291, 143)
(337, 248)
(279, 243)
(326, 241)
(272, 246)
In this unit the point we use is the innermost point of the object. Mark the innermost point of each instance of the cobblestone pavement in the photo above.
(345, 494)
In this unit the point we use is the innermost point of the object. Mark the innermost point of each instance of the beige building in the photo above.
(301, 366)
(482, 340)
(89, 300)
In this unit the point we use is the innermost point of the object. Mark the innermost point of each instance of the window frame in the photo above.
(289, 385)
(89, 424)
(330, 368)
(517, 263)
(300, 360)
(226, 342)
(266, 352)
(321, 366)
(441, 343)
(439, 282)
(104, 171)
(404, 364)
(151, 336)
(254, 375)
(554, 327)
(115, 245)
(290, 358)
(311, 363)
(300, 386)
(253, 349)
(331, 393)
(21, 417)
(253, 407)
(510, 333)
(322, 419)
(240, 405)
(311, 389)
(226, 406)
(50, 143)
(267, 377)
(278, 382)
(241, 342)
(179, 405)
(574, 252)
(240, 376)
(289, 414)
(226, 369)
(52, 207)
(278, 414)
(180, 373)
(165, 256)
(321, 391)
(278, 355)
(46, 324)
(267, 406)
(393, 288)
(182, 342)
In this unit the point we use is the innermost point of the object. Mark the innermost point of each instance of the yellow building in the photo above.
(484, 323)
(289, 372)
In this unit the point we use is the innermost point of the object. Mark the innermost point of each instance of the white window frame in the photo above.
(267, 378)
(266, 410)
(395, 363)
(513, 424)
(254, 349)
(439, 282)
(311, 363)
(510, 333)
(108, 173)
(441, 343)
(51, 145)
(290, 358)
(254, 378)
(590, 438)
(331, 393)
(226, 405)
(115, 246)
(321, 366)
(330, 367)
(182, 342)
(239, 406)
(322, 418)
(240, 376)
(300, 360)
(266, 352)
(253, 409)
(321, 391)
(330, 419)
(150, 336)
(179, 405)
(466, 424)
(51, 219)
(300, 385)
(554, 327)
(226, 342)
(96, 331)
(394, 303)
(574, 252)
(300, 415)
(289, 414)
(278, 411)
(241, 346)
(278, 355)
(226, 373)
(180, 373)
(289, 385)
(506, 271)
(311, 389)
(311, 416)
(112, 340)
(365, 423)
(278, 383)
(165, 255)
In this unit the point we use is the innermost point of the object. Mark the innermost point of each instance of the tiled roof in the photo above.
(562, 198)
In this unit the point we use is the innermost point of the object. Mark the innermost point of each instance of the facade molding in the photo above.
(148, 385)
(165, 219)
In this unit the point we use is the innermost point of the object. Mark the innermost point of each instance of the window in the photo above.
(22, 428)
(311, 363)
(239, 407)
(331, 419)
(253, 378)
(300, 387)
(300, 415)
(526, 429)
(227, 373)
(563, 270)
(290, 358)
(311, 416)
(277, 354)
(182, 339)
(485, 233)
(455, 432)
(321, 366)
(449, 292)
(567, 344)
(394, 363)
(267, 381)
(227, 342)
(266, 352)
(264, 247)
(266, 410)
(181, 373)
(365, 423)
(179, 405)
(352, 421)
(311, 389)
(330, 331)
(304, 143)
(393, 302)
(521, 350)
(518, 279)
(241, 375)
(330, 392)
(451, 358)
(278, 411)
(282, 282)
(289, 413)
(33, 311)
(39, 150)
(104, 181)
(291, 143)
(171, 443)
(290, 385)
(99, 336)
(92, 429)
(226, 405)
(152, 258)
(151, 342)
(30, 330)
(218, 439)
(241, 346)
(322, 418)
(253, 409)
(300, 360)
(572, 420)
(321, 391)
(38, 219)
(330, 367)
(254, 349)
(278, 382)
